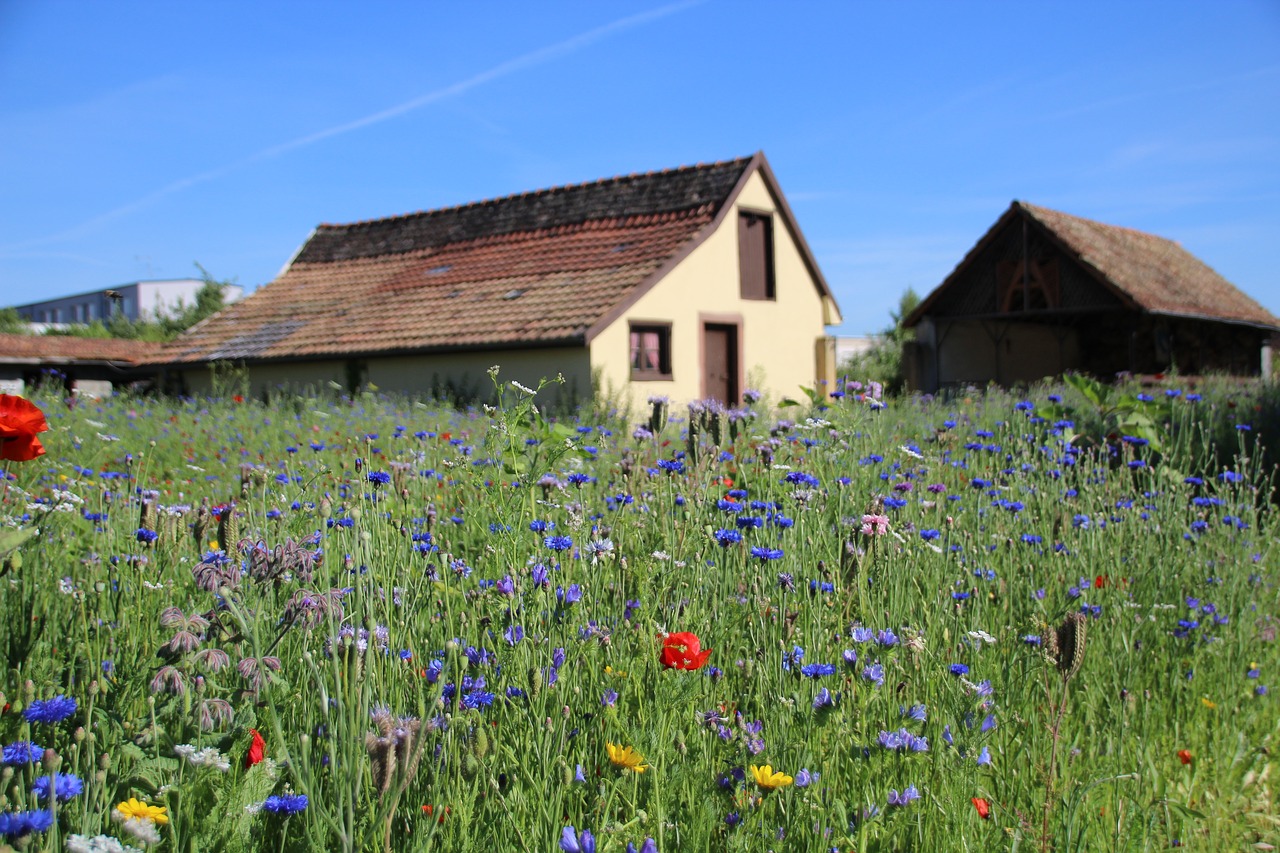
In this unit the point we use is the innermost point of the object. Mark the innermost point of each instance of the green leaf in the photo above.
(155, 772)
(1185, 811)
(11, 540)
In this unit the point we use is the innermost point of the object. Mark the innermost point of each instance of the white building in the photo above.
(138, 300)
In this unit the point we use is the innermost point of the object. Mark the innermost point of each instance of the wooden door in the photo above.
(720, 362)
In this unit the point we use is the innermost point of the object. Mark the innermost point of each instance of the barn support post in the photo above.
(996, 340)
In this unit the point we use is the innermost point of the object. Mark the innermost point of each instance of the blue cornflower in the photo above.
(379, 478)
(959, 669)
(766, 554)
(558, 543)
(285, 804)
(50, 711)
(65, 786)
(147, 536)
(23, 752)
(477, 699)
(727, 537)
(14, 825)
(929, 534)
(817, 670)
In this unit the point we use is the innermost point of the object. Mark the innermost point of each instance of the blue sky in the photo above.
(137, 139)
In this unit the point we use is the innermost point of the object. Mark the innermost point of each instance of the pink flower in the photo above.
(875, 525)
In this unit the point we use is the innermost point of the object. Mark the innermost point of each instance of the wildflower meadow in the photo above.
(1038, 621)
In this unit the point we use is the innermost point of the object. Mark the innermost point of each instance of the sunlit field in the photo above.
(1030, 622)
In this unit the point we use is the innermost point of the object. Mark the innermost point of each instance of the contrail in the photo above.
(504, 69)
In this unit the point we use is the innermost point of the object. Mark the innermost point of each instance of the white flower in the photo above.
(519, 387)
(97, 844)
(143, 830)
(910, 452)
(980, 637)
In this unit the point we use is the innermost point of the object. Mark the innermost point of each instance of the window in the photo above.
(650, 351)
(755, 255)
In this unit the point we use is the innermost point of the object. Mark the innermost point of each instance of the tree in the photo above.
(13, 323)
(882, 362)
(163, 327)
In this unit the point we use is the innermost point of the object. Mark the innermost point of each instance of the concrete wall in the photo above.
(467, 374)
(454, 375)
(778, 336)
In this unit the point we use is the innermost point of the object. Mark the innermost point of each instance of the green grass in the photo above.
(385, 604)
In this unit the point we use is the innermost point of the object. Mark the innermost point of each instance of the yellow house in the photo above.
(690, 283)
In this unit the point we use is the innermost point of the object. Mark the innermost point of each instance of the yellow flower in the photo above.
(134, 808)
(626, 758)
(1208, 703)
(769, 780)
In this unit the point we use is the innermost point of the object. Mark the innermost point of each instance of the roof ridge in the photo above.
(1033, 208)
(539, 192)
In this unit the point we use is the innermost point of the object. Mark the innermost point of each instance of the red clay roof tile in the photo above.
(61, 349)
(533, 269)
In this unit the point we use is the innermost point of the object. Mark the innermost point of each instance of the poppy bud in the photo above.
(257, 749)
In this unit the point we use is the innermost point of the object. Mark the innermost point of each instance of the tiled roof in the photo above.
(1157, 274)
(60, 349)
(532, 269)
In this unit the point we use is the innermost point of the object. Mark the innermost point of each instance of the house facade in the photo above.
(690, 283)
(1043, 293)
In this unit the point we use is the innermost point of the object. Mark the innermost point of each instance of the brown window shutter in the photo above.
(755, 256)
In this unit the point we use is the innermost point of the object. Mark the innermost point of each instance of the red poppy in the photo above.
(1184, 755)
(257, 749)
(983, 807)
(429, 810)
(19, 423)
(1101, 581)
(683, 650)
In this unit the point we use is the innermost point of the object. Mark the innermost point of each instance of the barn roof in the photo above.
(1146, 272)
